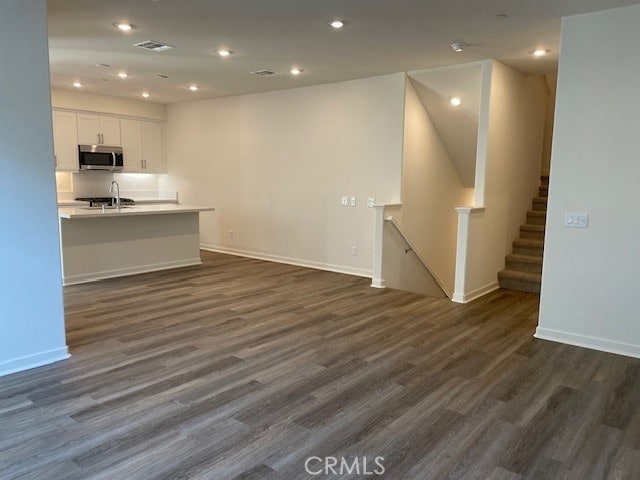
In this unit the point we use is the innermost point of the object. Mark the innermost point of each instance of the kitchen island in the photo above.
(101, 243)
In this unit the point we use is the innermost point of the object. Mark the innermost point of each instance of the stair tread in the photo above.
(518, 257)
(532, 227)
(540, 199)
(520, 275)
(528, 242)
(536, 213)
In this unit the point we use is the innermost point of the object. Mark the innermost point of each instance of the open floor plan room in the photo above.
(285, 239)
(241, 368)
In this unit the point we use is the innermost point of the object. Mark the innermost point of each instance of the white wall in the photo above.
(509, 173)
(276, 164)
(431, 189)
(31, 318)
(78, 100)
(591, 277)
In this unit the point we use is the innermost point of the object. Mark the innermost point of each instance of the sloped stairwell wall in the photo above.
(431, 188)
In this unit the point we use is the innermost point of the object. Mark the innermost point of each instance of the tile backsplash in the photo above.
(96, 184)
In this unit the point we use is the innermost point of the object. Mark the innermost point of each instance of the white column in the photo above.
(378, 238)
(462, 249)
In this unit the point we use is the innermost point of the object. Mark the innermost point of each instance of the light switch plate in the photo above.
(576, 220)
(345, 201)
(354, 201)
(371, 201)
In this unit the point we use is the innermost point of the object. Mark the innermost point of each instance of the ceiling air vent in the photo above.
(265, 73)
(153, 46)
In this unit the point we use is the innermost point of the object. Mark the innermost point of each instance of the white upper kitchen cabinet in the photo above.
(110, 131)
(131, 132)
(142, 146)
(98, 130)
(65, 141)
(152, 147)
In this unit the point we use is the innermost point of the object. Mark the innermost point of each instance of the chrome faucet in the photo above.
(117, 189)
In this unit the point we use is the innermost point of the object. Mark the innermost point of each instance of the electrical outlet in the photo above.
(576, 220)
(353, 201)
(345, 201)
(354, 251)
(230, 233)
(371, 201)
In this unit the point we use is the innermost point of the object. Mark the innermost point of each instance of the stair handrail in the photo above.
(392, 221)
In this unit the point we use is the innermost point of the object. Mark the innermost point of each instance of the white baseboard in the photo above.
(32, 361)
(474, 295)
(122, 272)
(594, 343)
(378, 283)
(358, 272)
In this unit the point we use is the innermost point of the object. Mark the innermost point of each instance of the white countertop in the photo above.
(162, 209)
(139, 201)
(71, 203)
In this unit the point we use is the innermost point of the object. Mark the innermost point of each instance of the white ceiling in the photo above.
(382, 36)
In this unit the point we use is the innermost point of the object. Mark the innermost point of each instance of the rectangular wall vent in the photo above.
(153, 45)
(265, 73)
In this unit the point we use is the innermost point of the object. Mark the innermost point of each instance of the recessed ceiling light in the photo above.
(539, 52)
(194, 88)
(145, 94)
(223, 52)
(123, 74)
(77, 84)
(337, 24)
(125, 27)
(457, 47)
(455, 101)
(295, 71)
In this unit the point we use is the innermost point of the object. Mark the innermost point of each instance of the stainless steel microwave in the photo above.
(100, 157)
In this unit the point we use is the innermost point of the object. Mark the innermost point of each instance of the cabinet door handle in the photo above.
(145, 164)
(98, 139)
(102, 136)
(141, 164)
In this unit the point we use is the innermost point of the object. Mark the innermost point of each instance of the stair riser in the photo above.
(544, 180)
(539, 207)
(520, 285)
(543, 191)
(524, 266)
(533, 251)
(532, 234)
(531, 220)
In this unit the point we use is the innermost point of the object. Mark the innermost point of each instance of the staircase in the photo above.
(524, 266)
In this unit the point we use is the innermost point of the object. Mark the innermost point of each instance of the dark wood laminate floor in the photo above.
(243, 369)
